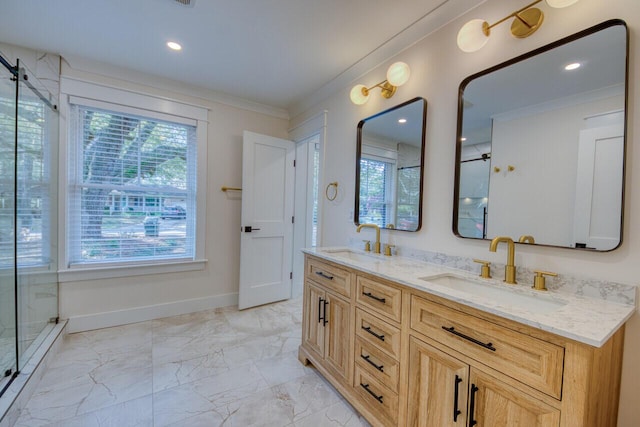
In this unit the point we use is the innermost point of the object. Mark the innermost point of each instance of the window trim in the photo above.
(95, 95)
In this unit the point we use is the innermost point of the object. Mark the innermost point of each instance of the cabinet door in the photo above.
(336, 350)
(438, 385)
(493, 403)
(314, 332)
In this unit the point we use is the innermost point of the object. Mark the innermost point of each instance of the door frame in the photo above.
(301, 134)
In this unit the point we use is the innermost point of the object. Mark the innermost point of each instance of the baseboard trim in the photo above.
(140, 314)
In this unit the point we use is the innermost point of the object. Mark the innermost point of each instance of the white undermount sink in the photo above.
(506, 296)
(352, 255)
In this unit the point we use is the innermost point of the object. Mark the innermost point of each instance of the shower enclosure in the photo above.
(28, 216)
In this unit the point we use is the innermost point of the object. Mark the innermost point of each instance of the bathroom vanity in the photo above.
(409, 343)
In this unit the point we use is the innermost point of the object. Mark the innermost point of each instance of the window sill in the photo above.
(110, 272)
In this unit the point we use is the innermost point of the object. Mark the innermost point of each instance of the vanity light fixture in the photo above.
(397, 75)
(475, 33)
(174, 46)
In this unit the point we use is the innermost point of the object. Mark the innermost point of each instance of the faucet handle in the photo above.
(367, 245)
(539, 279)
(485, 270)
(387, 249)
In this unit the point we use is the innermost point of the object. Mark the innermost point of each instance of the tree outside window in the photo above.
(130, 171)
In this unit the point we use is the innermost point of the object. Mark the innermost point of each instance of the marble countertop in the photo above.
(587, 320)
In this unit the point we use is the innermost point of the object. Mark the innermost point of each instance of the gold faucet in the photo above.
(538, 281)
(527, 239)
(510, 268)
(376, 247)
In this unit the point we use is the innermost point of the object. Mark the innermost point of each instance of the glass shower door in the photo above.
(8, 330)
(37, 280)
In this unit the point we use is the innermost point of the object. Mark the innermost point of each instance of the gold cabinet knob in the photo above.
(539, 279)
(485, 270)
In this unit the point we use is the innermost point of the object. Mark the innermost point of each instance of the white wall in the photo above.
(102, 302)
(543, 149)
(437, 68)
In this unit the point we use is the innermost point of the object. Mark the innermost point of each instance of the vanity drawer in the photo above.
(331, 276)
(377, 363)
(378, 297)
(534, 362)
(382, 402)
(378, 333)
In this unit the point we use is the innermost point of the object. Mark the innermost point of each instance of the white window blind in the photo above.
(7, 173)
(33, 214)
(132, 187)
(31, 179)
(376, 191)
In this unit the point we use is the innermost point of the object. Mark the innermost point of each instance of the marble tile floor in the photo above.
(220, 367)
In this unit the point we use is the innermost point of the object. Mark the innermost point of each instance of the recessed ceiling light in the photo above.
(402, 121)
(572, 66)
(174, 46)
(463, 139)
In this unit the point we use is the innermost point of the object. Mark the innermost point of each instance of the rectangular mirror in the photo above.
(389, 167)
(541, 144)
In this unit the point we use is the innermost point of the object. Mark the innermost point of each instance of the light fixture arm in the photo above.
(388, 90)
(382, 85)
(487, 28)
(474, 34)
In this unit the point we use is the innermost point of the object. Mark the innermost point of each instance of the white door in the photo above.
(598, 187)
(267, 219)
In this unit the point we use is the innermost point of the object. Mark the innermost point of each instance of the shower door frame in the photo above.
(11, 372)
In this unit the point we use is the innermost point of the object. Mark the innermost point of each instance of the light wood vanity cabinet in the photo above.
(378, 348)
(327, 318)
(448, 392)
(415, 359)
(532, 361)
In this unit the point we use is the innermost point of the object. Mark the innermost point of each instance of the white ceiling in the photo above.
(274, 52)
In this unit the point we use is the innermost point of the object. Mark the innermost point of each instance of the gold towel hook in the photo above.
(335, 191)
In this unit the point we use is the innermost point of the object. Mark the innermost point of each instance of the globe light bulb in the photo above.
(398, 73)
(358, 95)
(471, 36)
(558, 4)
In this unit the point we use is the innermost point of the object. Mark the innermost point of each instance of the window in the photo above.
(376, 190)
(315, 185)
(408, 204)
(32, 163)
(132, 185)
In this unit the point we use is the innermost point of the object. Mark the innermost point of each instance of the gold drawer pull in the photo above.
(488, 346)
